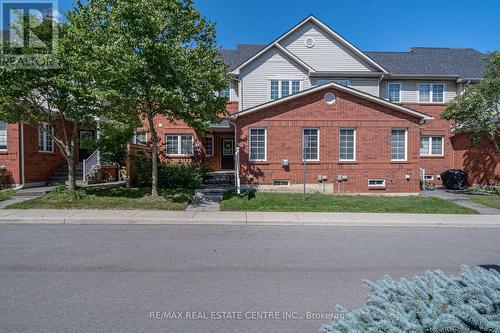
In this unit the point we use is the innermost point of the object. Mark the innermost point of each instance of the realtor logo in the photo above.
(29, 34)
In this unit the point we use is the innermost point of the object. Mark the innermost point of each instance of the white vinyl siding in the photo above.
(258, 144)
(327, 54)
(399, 142)
(431, 146)
(410, 90)
(310, 144)
(3, 136)
(347, 149)
(394, 90)
(257, 77)
(45, 142)
(179, 144)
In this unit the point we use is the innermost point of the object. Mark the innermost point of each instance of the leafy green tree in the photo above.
(152, 58)
(59, 95)
(477, 110)
(113, 139)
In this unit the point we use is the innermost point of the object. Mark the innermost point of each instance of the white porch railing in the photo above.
(237, 169)
(91, 163)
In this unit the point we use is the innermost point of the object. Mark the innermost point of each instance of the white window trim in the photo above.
(179, 145)
(376, 185)
(6, 138)
(319, 143)
(250, 144)
(430, 92)
(45, 139)
(406, 144)
(354, 155)
(281, 180)
(213, 145)
(280, 95)
(388, 92)
(428, 177)
(429, 151)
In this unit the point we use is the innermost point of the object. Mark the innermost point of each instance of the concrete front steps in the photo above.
(208, 197)
(61, 175)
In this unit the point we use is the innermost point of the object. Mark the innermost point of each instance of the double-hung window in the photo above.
(398, 144)
(45, 142)
(209, 145)
(347, 144)
(258, 144)
(431, 146)
(140, 138)
(310, 144)
(320, 82)
(179, 144)
(283, 88)
(394, 91)
(226, 92)
(3, 136)
(431, 93)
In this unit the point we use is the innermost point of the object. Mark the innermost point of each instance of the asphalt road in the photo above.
(111, 278)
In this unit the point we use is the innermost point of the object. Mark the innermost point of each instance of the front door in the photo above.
(86, 138)
(227, 152)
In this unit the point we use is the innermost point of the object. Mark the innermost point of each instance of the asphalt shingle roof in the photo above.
(465, 63)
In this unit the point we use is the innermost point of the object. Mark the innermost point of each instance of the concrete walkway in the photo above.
(462, 198)
(41, 216)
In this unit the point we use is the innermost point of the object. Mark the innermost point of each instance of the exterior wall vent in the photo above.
(309, 41)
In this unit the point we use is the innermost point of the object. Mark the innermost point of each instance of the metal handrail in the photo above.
(91, 163)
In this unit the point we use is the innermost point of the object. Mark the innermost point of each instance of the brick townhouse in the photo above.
(362, 122)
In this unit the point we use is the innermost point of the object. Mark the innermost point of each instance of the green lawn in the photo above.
(487, 200)
(106, 198)
(293, 202)
(6, 194)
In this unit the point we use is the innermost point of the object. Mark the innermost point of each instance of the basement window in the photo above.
(429, 177)
(281, 182)
(376, 182)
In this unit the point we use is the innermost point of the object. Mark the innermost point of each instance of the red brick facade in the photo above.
(38, 166)
(373, 123)
(284, 123)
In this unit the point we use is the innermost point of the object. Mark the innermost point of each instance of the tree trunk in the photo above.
(71, 174)
(154, 156)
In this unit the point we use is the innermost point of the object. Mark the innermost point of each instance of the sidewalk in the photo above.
(40, 216)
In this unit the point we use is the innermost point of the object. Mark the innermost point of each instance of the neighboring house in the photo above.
(366, 122)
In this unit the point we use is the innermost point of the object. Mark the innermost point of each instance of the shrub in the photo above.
(433, 303)
(170, 175)
(6, 178)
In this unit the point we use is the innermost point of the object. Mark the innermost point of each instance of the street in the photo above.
(174, 278)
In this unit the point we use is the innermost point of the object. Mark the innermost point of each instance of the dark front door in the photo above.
(86, 137)
(227, 154)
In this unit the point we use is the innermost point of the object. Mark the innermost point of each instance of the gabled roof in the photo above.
(453, 62)
(314, 20)
(464, 63)
(340, 87)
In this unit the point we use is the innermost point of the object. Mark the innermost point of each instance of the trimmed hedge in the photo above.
(170, 175)
(433, 303)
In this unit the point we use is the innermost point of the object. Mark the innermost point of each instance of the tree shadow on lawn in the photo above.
(174, 195)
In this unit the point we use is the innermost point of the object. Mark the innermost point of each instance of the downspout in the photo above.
(236, 165)
(21, 154)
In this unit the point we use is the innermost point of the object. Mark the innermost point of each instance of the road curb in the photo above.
(245, 222)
